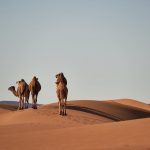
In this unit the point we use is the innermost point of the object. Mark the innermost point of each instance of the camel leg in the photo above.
(26, 103)
(32, 101)
(35, 102)
(19, 103)
(23, 106)
(65, 108)
(60, 108)
(62, 113)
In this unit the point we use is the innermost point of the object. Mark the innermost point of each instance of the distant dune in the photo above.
(89, 125)
(9, 102)
(15, 103)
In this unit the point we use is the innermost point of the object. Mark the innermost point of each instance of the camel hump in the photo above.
(21, 87)
(34, 86)
(38, 85)
(63, 78)
(25, 85)
(65, 81)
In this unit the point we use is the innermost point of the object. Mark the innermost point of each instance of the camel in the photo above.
(62, 92)
(22, 92)
(34, 88)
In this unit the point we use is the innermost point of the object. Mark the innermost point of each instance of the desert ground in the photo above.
(121, 124)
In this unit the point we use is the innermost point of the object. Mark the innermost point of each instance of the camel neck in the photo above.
(15, 93)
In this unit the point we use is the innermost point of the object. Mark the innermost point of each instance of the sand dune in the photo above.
(133, 103)
(116, 110)
(6, 108)
(89, 125)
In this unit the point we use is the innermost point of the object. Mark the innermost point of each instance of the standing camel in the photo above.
(22, 92)
(34, 88)
(62, 92)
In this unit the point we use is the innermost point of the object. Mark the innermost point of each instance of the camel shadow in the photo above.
(122, 112)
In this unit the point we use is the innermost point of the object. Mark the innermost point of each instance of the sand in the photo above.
(89, 125)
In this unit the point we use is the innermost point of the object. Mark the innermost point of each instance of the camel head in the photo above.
(56, 75)
(12, 88)
(22, 80)
(60, 78)
(59, 75)
(35, 78)
(17, 82)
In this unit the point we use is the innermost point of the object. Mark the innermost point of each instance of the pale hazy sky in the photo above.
(101, 46)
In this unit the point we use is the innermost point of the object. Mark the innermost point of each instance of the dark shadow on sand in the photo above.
(127, 112)
(94, 112)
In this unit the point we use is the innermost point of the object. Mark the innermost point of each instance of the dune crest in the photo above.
(133, 103)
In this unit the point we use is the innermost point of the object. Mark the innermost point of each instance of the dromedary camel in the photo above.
(62, 92)
(34, 88)
(22, 92)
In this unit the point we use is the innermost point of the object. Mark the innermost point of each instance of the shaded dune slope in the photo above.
(6, 108)
(117, 110)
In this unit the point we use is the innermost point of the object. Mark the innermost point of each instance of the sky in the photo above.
(101, 46)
